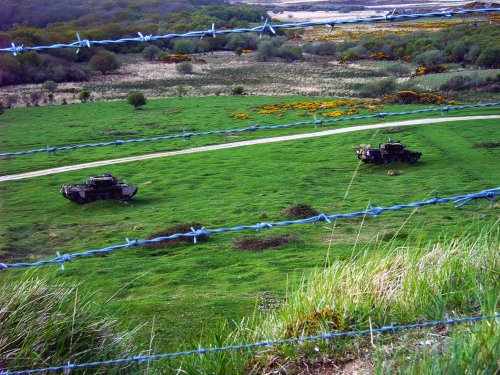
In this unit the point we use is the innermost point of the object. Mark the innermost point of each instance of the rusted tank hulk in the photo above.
(98, 188)
(388, 152)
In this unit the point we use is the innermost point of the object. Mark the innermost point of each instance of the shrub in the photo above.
(379, 88)
(321, 49)
(105, 62)
(463, 82)
(174, 59)
(50, 86)
(235, 41)
(181, 91)
(238, 51)
(184, 67)
(423, 70)
(289, 52)
(84, 95)
(238, 90)
(2, 108)
(432, 57)
(409, 97)
(151, 53)
(266, 50)
(184, 46)
(137, 99)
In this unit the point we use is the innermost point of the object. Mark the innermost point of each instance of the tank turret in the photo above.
(387, 152)
(96, 188)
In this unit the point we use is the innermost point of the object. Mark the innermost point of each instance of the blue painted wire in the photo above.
(372, 211)
(266, 27)
(250, 129)
(139, 359)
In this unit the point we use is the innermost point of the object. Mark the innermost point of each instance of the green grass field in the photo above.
(190, 289)
(36, 128)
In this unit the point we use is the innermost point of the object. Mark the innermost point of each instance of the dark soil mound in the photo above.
(258, 243)
(180, 228)
(300, 211)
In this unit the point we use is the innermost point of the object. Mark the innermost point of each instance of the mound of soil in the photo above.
(300, 211)
(259, 243)
(180, 228)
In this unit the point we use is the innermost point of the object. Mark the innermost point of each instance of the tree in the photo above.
(490, 57)
(184, 67)
(84, 95)
(105, 61)
(181, 91)
(137, 99)
(151, 52)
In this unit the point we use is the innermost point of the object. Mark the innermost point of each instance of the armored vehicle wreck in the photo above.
(388, 152)
(96, 188)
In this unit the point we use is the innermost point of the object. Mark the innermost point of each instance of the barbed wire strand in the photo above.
(251, 128)
(197, 233)
(139, 359)
(266, 27)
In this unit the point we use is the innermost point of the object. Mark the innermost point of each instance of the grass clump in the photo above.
(469, 350)
(45, 324)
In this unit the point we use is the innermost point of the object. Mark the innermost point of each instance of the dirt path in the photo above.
(240, 144)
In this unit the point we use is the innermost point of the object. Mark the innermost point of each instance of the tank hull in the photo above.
(376, 157)
(98, 188)
(388, 152)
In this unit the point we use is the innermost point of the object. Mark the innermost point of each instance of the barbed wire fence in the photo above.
(140, 359)
(266, 27)
(316, 122)
(195, 234)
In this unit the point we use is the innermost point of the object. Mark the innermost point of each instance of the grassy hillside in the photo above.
(36, 128)
(186, 288)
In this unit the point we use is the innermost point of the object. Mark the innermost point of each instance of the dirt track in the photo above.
(45, 172)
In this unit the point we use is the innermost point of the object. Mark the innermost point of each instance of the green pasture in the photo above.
(36, 128)
(190, 289)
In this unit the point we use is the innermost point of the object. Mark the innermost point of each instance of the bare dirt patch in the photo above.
(261, 243)
(179, 228)
(300, 211)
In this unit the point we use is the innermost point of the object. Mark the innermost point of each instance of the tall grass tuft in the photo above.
(470, 350)
(413, 283)
(46, 323)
